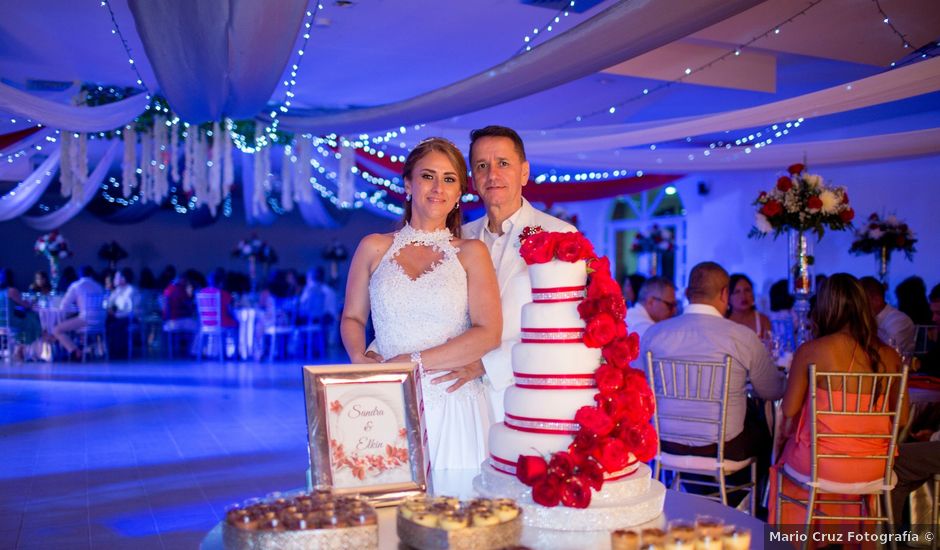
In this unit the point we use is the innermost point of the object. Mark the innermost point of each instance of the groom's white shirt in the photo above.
(515, 290)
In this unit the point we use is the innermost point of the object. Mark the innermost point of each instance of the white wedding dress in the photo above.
(417, 314)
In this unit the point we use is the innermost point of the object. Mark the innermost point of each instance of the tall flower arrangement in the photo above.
(882, 237)
(55, 248)
(658, 239)
(618, 425)
(803, 202)
(255, 251)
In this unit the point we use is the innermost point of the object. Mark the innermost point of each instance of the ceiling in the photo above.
(368, 53)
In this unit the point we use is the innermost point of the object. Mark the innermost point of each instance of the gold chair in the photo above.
(884, 400)
(691, 408)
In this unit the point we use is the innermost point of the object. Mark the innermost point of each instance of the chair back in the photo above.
(691, 400)
(209, 306)
(94, 312)
(285, 312)
(883, 400)
(4, 311)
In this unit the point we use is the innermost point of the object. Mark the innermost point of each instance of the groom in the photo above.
(500, 171)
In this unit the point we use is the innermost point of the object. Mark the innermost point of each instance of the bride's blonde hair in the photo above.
(448, 149)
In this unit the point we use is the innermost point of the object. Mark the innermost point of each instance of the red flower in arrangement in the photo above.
(814, 203)
(796, 168)
(601, 330)
(771, 208)
(531, 469)
(609, 379)
(594, 421)
(632, 405)
(783, 183)
(575, 492)
(539, 248)
(762, 196)
(572, 247)
(847, 215)
(336, 407)
(547, 492)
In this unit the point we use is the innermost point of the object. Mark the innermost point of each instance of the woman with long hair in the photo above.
(433, 299)
(741, 307)
(846, 342)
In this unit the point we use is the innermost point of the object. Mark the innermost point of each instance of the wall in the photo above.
(718, 223)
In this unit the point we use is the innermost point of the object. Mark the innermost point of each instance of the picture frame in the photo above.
(365, 431)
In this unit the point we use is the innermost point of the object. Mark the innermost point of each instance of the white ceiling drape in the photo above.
(69, 117)
(27, 192)
(620, 32)
(70, 209)
(779, 155)
(218, 58)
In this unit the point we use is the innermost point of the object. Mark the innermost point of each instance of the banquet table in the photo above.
(678, 506)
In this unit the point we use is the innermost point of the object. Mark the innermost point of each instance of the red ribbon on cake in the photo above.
(558, 294)
(554, 381)
(552, 335)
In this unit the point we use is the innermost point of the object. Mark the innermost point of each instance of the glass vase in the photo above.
(54, 274)
(802, 280)
(883, 258)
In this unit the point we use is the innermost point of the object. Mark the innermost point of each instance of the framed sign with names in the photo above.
(365, 433)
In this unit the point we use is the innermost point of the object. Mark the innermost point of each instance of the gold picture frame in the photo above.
(365, 431)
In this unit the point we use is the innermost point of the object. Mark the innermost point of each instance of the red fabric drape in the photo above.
(11, 138)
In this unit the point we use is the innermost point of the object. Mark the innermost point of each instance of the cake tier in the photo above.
(507, 444)
(555, 323)
(604, 513)
(557, 274)
(556, 361)
(531, 410)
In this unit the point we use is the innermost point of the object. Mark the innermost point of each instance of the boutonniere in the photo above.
(528, 231)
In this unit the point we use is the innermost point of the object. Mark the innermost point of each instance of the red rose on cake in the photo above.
(609, 378)
(539, 248)
(594, 421)
(601, 330)
(613, 454)
(642, 440)
(592, 472)
(575, 493)
(547, 492)
(622, 351)
(561, 465)
(572, 247)
(531, 469)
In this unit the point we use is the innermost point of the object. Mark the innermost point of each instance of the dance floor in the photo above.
(142, 454)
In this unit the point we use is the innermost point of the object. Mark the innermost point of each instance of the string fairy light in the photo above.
(688, 71)
(544, 29)
(116, 30)
(295, 66)
(887, 21)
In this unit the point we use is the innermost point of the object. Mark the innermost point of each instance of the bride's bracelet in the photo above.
(416, 358)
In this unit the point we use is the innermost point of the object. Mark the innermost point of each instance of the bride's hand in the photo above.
(367, 357)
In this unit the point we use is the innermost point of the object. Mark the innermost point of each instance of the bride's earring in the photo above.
(456, 206)
(408, 197)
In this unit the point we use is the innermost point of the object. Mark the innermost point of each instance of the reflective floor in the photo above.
(142, 454)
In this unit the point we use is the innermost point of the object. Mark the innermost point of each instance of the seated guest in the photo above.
(82, 294)
(894, 328)
(178, 307)
(702, 333)
(214, 286)
(741, 308)
(656, 302)
(41, 283)
(23, 320)
(931, 361)
(318, 299)
(912, 300)
(636, 283)
(917, 463)
(122, 307)
(69, 276)
(781, 301)
(846, 341)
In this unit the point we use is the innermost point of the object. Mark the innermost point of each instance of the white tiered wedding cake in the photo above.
(576, 429)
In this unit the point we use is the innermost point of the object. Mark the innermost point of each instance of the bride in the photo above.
(434, 300)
